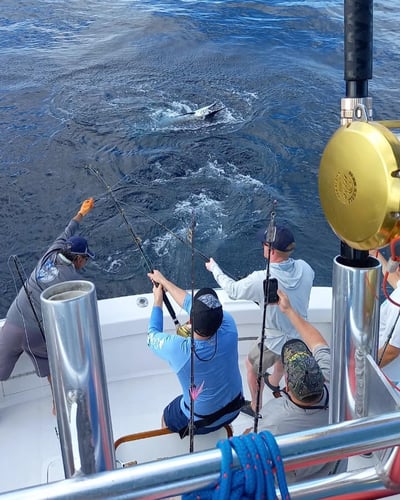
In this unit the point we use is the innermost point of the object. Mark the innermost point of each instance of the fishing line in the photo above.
(172, 233)
(269, 239)
(135, 238)
(166, 229)
(163, 226)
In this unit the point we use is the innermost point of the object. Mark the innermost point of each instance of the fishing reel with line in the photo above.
(359, 181)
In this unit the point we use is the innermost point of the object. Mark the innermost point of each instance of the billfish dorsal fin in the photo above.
(208, 111)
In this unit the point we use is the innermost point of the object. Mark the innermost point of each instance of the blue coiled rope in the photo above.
(261, 470)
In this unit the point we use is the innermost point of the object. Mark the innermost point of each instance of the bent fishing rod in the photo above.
(137, 241)
(169, 231)
(172, 233)
(269, 239)
(192, 353)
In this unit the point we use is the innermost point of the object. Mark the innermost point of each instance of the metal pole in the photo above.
(355, 317)
(358, 40)
(73, 339)
(358, 45)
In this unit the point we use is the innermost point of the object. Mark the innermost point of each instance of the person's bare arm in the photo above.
(310, 335)
(177, 293)
(393, 277)
(158, 295)
(390, 353)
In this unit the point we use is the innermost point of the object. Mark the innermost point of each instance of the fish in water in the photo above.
(206, 113)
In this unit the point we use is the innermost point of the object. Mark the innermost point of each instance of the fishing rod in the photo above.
(192, 353)
(172, 233)
(136, 239)
(269, 239)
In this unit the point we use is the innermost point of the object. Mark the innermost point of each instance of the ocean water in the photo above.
(93, 83)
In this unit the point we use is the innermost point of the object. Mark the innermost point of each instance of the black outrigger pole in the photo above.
(358, 38)
(137, 241)
(270, 238)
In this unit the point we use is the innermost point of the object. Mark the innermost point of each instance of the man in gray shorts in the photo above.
(23, 330)
(295, 277)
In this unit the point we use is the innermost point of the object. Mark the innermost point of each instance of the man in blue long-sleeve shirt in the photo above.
(217, 391)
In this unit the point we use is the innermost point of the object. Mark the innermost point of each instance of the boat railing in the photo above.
(373, 432)
(177, 475)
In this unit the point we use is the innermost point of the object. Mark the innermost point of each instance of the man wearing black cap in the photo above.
(217, 391)
(23, 330)
(295, 277)
(304, 401)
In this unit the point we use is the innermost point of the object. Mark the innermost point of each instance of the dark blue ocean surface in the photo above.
(98, 83)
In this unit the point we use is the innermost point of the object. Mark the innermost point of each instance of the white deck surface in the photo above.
(30, 449)
(136, 405)
(28, 430)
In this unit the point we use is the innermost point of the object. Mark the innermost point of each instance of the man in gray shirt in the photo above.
(304, 401)
(295, 277)
(23, 330)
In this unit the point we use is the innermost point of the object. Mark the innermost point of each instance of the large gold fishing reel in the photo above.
(359, 183)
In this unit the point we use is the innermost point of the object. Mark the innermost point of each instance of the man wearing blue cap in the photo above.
(295, 277)
(23, 330)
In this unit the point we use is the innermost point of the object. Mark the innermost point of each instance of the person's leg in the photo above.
(252, 368)
(252, 384)
(173, 417)
(10, 349)
(276, 374)
(35, 347)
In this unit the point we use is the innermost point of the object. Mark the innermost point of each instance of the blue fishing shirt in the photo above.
(216, 367)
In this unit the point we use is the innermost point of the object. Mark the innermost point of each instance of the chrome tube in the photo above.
(355, 324)
(71, 325)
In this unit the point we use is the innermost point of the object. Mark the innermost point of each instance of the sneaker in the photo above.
(248, 410)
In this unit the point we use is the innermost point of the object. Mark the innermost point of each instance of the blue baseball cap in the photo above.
(284, 239)
(78, 246)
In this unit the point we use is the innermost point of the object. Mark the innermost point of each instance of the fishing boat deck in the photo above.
(29, 429)
(139, 386)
